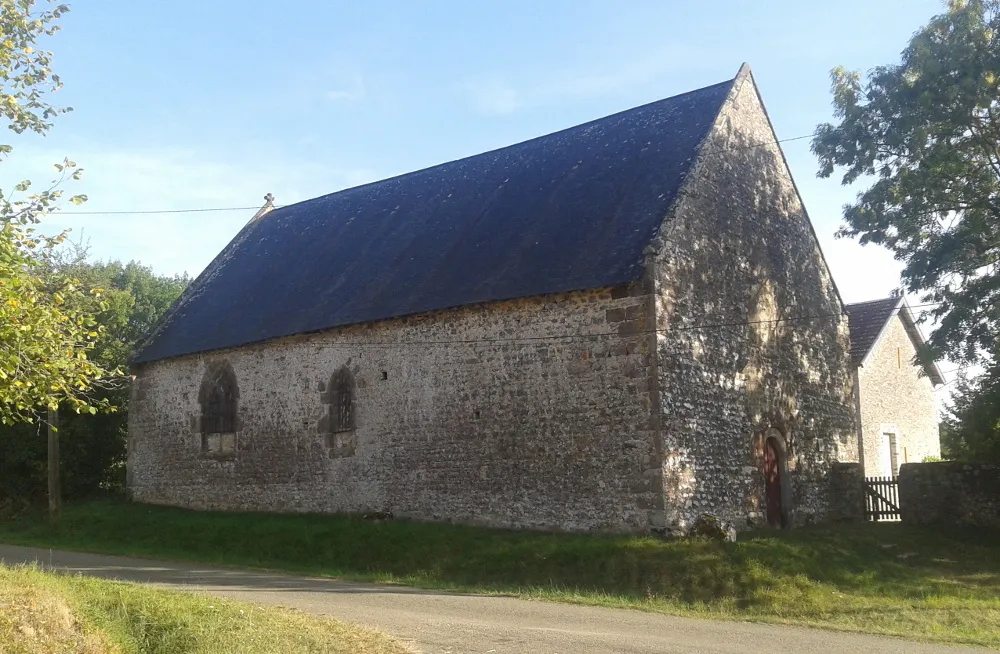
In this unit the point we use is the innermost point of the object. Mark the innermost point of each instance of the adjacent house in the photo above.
(898, 419)
(619, 326)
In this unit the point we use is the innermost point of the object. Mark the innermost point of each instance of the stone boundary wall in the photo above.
(948, 492)
(847, 493)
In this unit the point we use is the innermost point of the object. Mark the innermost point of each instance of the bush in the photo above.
(92, 451)
(710, 527)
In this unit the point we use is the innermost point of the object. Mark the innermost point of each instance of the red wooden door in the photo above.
(772, 479)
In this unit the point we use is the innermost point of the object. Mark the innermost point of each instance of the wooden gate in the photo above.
(881, 498)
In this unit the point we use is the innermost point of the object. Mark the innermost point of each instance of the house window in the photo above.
(889, 453)
(218, 397)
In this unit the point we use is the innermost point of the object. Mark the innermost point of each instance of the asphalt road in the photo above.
(435, 622)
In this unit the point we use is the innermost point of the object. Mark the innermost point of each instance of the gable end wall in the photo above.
(739, 249)
(893, 391)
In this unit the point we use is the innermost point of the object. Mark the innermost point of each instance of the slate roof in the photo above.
(568, 211)
(867, 322)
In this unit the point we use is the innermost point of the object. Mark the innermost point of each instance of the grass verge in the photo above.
(924, 583)
(43, 612)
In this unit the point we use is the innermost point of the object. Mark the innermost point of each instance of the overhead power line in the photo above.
(582, 335)
(588, 336)
(574, 336)
(152, 211)
(569, 336)
(212, 209)
(596, 335)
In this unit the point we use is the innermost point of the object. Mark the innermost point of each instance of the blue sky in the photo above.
(195, 103)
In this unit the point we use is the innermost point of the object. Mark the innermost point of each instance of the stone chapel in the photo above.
(618, 327)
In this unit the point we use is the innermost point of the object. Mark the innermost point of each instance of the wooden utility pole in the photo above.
(55, 496)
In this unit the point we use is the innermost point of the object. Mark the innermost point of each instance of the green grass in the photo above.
(43, 612)
(926, 583)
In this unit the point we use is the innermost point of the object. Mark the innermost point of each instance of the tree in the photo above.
(926, 132)
(47, 324)
(971, 428)
(133, 300)
(92, 447)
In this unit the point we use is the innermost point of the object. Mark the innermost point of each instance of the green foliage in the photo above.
(135, 299)
(92, 447)
(971, 428)
(47, 326)
(926, 132)
(25, 69)
(92, 455)
(936, 584)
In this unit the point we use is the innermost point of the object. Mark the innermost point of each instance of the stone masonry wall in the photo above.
(895, 394)
(454, 421)
(847, 493)
(949, 492)
(740, 250)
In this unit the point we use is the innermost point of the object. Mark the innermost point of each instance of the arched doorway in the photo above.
(772, 481)
(777, 484)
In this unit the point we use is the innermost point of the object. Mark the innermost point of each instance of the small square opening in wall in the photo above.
(218, 443)
(476, 414)
(342, 444)
(211, 443)
(385, 375)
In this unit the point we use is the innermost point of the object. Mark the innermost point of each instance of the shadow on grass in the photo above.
(763, 570)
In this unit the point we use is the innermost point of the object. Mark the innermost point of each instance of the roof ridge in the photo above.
(869, 322)
(884, 299)
(477, 155)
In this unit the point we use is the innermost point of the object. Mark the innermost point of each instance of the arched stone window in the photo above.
(342, 401)
(219, 398)
(342, 416)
